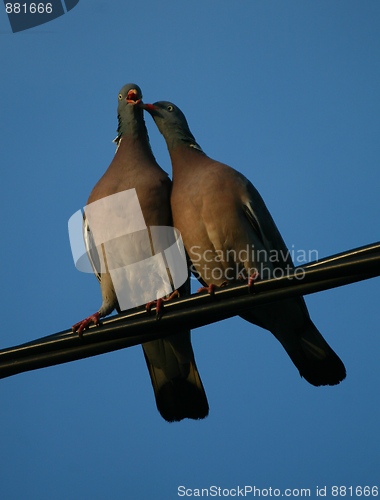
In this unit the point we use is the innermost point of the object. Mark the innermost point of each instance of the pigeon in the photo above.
(174, 375)
(230, 235)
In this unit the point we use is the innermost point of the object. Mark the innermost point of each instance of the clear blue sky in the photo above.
(287, 92)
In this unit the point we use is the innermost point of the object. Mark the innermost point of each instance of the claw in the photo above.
(159, 303)
(251, 280)
(159, 307)
(210, 289)
(85, 323)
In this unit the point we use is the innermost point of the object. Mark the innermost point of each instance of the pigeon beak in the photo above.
(152, 109)
(132, 97)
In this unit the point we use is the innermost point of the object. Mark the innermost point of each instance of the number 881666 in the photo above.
(32, 8)
(354, 491)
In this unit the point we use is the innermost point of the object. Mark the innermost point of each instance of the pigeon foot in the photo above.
(210, 289)
(159, 304)
(85, 323)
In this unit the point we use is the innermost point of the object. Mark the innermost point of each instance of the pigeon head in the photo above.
(172, 124)
(129, 111)
(129, 94)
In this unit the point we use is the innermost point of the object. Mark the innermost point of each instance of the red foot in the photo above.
(251, 280)
(159, 303)
(211, 288)
(85, 323)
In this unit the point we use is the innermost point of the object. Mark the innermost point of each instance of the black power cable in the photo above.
(132, 328)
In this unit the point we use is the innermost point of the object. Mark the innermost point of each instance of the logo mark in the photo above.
(26, 14)
(144, 263)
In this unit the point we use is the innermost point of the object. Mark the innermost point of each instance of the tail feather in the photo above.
(290, 323)
(177, 386)
(317, 364)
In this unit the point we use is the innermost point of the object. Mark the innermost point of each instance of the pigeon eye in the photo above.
(170, 108)
(120, 97)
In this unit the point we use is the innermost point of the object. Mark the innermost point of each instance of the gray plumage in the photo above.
(220, 213)
(177, 386)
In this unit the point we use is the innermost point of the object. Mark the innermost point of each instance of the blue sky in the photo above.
(287, 93)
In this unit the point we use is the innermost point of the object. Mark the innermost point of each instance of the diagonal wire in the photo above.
(132, 328)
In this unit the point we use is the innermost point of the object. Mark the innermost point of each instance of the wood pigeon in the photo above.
(229, 233)
(176, 382)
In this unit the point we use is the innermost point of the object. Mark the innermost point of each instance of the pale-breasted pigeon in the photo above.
(176, 382)
(228, 233)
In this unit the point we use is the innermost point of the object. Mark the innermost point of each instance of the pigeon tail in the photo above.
(177, 396)
(315, 360)
(293, 328)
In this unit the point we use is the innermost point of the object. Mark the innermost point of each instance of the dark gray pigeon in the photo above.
(176, 382)
(229, 233)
